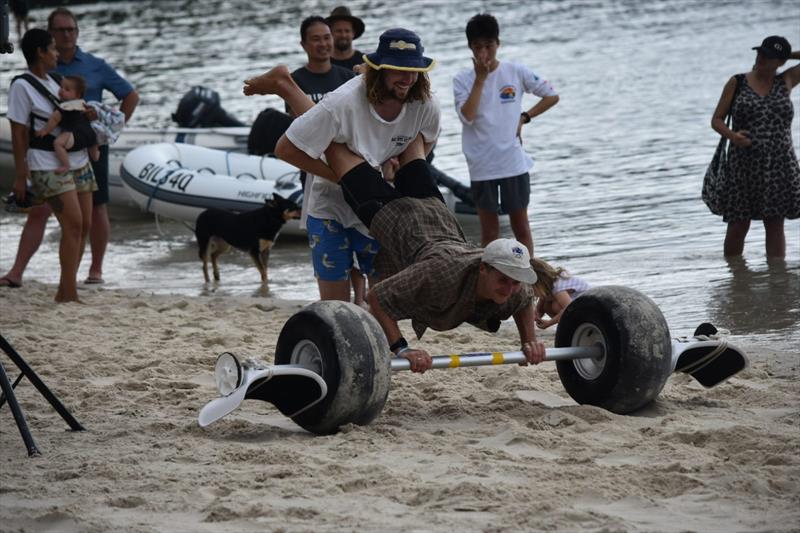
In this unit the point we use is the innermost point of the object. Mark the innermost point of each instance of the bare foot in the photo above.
(268, 83)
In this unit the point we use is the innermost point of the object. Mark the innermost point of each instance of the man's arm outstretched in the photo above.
(420, 359)
(533, 349)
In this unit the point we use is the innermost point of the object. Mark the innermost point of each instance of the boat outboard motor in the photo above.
(200, 108)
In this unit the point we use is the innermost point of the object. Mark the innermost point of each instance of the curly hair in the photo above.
(377, 92)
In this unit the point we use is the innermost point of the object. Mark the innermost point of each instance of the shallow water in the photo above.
(620, 159)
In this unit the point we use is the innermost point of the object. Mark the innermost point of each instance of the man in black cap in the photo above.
(345, 28)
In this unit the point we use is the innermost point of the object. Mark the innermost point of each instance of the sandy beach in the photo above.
(486, 449)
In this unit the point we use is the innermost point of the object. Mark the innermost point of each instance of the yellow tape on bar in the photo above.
(455, 361)
(497, 358)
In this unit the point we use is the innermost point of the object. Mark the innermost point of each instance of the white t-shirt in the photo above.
(22, 99)
(490, 142)
(566, 282)
(324, 199)
(344, 116)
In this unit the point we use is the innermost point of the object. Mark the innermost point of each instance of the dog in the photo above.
(254, 232)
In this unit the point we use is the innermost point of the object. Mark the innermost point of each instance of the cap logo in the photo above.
(402, 45)
(778, 47)
(517, 251)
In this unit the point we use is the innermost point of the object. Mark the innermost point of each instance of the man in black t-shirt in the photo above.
(345, 28)
(318, 76)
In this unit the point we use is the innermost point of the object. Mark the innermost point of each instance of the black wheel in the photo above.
(345, 345)
(636, 340)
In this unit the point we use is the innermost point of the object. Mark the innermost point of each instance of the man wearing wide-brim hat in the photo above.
(388, 119)
(345, 29)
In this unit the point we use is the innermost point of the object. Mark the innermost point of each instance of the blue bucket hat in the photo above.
(399, 49)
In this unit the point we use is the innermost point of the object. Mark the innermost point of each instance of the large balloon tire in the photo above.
(350, 352)
(638, 349)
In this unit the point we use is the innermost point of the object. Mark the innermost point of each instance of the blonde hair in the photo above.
(546, 276)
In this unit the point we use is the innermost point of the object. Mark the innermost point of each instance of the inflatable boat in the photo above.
(180, 181)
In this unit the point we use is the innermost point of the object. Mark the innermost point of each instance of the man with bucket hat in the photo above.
(345, 29)
(388, 119)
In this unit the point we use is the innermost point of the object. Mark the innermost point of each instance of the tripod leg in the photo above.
(39, 384)
(13, 385)
(17, 411)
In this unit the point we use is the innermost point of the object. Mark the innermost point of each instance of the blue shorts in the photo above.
(333, 247)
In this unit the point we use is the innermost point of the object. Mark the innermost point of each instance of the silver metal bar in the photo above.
(502, 358)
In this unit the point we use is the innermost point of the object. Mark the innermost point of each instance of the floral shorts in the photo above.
(333, 246)
(47, 184)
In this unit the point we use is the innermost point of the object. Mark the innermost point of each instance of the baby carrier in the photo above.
(46, 142)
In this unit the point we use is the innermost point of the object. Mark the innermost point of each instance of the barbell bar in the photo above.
(503, 358)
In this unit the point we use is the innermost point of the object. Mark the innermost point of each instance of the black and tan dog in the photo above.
(253, 232)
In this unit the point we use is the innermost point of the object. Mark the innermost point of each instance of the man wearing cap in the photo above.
(431, 274)
(388, 119)
(345, 28)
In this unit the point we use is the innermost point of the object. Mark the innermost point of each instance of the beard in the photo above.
(399, 94)
(342, 45)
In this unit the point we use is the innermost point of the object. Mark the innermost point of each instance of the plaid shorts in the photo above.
(47, 184)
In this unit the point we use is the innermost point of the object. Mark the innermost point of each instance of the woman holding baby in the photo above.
(68, 193)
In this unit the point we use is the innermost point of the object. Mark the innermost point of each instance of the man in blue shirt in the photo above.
(99, 76)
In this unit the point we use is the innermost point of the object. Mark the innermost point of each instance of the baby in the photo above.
(76, 130)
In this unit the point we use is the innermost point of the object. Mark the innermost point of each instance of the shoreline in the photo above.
(493, 449)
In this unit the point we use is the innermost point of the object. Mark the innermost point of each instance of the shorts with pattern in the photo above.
(333, 247)
(515, 193)
(47, 184)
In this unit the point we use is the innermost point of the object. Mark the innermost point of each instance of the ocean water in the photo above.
(619, 161)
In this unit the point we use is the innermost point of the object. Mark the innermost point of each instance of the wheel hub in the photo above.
(306, 353)
(589, 335)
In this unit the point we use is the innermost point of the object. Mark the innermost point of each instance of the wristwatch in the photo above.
(399, 344)
(525, 117)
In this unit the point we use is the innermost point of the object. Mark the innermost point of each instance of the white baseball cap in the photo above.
(510, 257)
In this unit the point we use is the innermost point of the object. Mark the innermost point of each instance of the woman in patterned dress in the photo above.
(762, 177)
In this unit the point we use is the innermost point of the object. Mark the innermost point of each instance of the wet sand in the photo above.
(487, 449)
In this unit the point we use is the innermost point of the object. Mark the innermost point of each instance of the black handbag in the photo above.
(715, 173)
